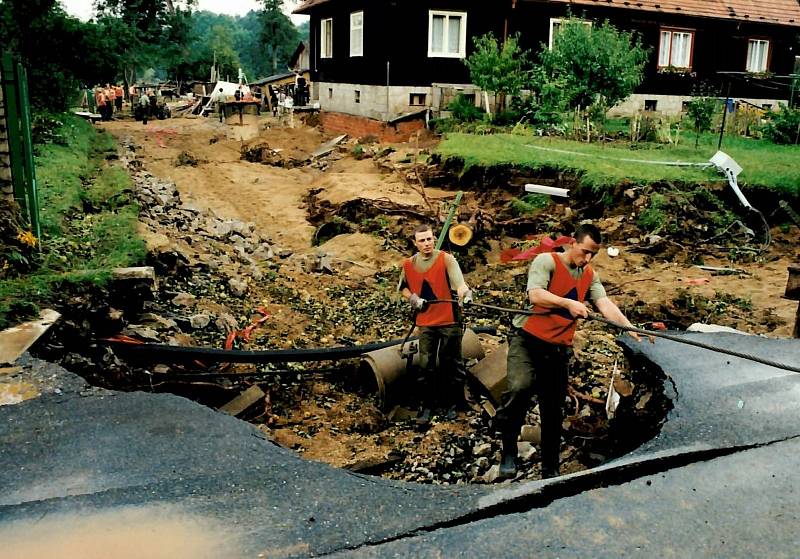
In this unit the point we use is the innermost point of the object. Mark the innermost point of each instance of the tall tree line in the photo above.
(131, 40)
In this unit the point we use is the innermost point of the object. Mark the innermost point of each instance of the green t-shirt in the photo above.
(539, 274)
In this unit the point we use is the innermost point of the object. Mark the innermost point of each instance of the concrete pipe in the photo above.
(389, 364)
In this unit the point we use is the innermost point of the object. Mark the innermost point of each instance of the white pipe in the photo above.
(549, 190)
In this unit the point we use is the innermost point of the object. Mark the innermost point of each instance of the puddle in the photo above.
(15, 392)
(154, 532)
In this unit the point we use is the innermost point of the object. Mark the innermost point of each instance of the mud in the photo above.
(355, 211)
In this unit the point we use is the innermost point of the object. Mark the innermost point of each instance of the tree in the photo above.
(151, 32)
(595, 64)
(60, 52)
(501, 69)
(278, 34)
(701, 113)
(221, 43)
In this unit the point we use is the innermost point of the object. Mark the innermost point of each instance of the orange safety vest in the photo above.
(433, 284)
(557, 326)
(119, 92)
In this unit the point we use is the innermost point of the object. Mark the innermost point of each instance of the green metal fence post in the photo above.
(13, 128)
(27, 144)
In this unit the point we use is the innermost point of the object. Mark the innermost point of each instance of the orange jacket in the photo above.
(433, 284)
(557, 326)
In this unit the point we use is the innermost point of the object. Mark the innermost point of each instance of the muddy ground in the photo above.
(314, 244)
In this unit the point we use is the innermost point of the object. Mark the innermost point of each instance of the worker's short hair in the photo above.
(587, 229)
(424, 228)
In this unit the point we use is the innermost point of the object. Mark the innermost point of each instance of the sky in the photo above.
(83, 8)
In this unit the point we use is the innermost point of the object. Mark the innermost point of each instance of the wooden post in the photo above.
(793, 293)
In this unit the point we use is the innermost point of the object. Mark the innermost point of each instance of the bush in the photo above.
(783, 126)
(464, 110)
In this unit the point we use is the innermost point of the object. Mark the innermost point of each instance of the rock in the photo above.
(531, 434)
(143, 332)
(262, 253)
(492, 474)
(199, 321)
(256, 273)
(161, 369)
(482, 463)
(525, 451)
(227, 322)
(184, 300)
(237, 287)
(158, 321)
(482, 449)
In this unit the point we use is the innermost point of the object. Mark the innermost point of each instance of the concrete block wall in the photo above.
(359, 126)
(6, 185)
(374, 101)
(672, 105)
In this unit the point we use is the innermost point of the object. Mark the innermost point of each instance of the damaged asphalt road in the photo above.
(718, 480)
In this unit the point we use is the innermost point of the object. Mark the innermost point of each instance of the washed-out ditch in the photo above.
(222, 283)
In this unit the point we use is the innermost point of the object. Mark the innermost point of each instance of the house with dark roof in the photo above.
(384, 58)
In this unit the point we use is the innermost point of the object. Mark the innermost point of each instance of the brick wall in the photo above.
(359, 126)
(6, 186)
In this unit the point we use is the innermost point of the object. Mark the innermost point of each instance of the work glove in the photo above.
(417, 303)
(467, 299)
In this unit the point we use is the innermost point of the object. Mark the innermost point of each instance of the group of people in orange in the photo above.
(108, 100)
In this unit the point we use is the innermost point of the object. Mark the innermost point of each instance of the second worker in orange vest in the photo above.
(427, 276)
(540, 350)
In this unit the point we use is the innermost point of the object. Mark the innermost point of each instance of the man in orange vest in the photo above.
(427, 276)
(540, 350)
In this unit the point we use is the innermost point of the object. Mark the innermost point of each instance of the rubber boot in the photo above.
(508, 466)
(423, 420)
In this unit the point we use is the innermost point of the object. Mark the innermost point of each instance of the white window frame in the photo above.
(324, 51)
(558, 21)
(462, 40)
(672, 32)
(357, 28)
(764, 62)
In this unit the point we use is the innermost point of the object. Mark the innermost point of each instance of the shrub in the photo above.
(783, 126)
(464, 110)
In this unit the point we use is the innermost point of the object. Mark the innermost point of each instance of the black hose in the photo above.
(172, 354)
(678, 339)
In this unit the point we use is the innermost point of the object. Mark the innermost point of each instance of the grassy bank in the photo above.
(88, 221)
(766, 165)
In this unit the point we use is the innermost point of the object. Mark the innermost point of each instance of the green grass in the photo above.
(88, 221)
(599, 165)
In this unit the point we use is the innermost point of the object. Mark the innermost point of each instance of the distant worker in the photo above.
(120, 93)
(428, 276)
(540, 349)
(239, 96)
(219, 104)
(102, 103)
(144, 105)
(111, 93)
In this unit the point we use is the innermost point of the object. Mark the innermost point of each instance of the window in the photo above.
(447, 34)
(330, 93)
(417, 99)
(757, 55)
(555, 26)
(357, 34)
(675, 48)
(326, 38)
(650, 104)
(358, 96)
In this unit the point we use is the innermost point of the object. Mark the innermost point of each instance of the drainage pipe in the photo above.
(391, 363)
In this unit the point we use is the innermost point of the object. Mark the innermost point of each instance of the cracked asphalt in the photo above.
(91, 473)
